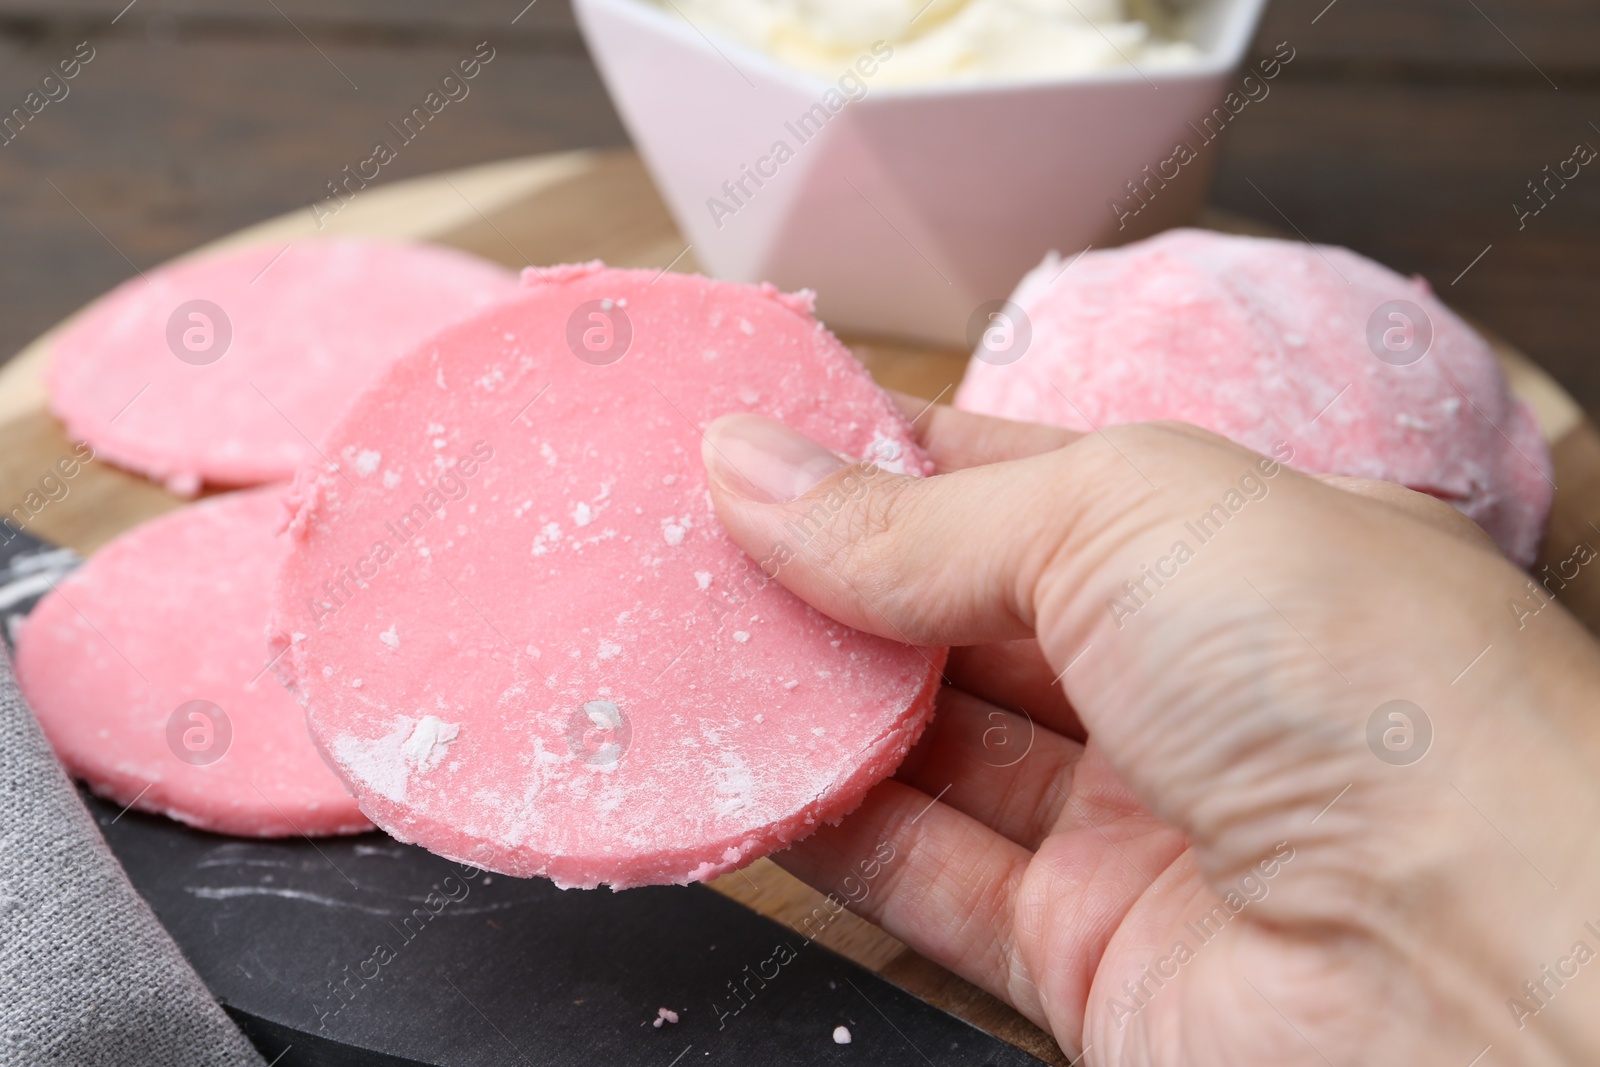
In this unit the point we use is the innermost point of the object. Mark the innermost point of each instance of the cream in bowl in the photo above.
(795, 147)
(950, 40)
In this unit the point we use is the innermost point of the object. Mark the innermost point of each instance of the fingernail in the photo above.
(764, 461)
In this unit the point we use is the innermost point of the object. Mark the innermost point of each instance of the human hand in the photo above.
(1148, 813)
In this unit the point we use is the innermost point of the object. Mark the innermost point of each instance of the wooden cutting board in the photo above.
(589, 205)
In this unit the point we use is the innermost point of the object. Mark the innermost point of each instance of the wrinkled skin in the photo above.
(1118, 775)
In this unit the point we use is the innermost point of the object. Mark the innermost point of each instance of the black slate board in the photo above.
(492, 970)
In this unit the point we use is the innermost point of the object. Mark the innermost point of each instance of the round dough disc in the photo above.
(225, 369)
(147, 668)
(521, 634)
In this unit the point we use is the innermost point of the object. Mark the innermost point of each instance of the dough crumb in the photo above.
(664, 1015)
(841, 1035)
(428, 742)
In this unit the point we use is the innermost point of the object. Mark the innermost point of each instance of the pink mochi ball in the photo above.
(1361, 371)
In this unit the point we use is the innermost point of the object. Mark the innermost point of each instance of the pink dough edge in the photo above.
(672, 867)
(182, 480)
(124, 789)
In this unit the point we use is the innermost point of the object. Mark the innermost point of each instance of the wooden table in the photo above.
(1405, 129)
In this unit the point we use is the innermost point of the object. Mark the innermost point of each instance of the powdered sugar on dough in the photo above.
(619, 694)
(170, 612)
(1265, 342)
(429, 741)
(310, 325)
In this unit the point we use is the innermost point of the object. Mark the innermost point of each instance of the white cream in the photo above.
(942, 40)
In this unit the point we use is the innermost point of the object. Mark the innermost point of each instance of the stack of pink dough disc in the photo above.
(129, 661)
(521, 634)
(225, 368)
(1269, 342)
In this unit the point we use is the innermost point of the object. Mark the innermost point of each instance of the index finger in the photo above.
(959, 439)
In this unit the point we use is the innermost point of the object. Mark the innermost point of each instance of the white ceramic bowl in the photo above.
(908, 208)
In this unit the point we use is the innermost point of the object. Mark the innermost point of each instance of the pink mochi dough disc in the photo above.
(224, 368)
(521, 634)
(1267, 343)
(173, 612)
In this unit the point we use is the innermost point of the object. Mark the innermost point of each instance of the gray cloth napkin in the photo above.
(87, 975)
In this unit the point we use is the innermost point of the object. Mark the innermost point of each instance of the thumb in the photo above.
(946, 561)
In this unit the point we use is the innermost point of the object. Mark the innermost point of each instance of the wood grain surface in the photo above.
(1404, 129)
